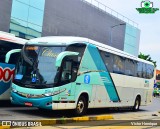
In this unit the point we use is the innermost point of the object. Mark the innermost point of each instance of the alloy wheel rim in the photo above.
(137, 104)
(80, 106)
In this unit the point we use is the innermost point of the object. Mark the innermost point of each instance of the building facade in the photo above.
(35, 18)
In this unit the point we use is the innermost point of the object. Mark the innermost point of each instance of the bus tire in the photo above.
(136, 104)
(81, 106)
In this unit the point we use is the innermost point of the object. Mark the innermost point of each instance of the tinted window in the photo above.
(150, 71)
(122, 65)
(108, 60)
(130, 67)
(5, 47)
(118, 66)
(139, 69)
(144, 75)
(14, 58)
(68, 70)
(80, 48)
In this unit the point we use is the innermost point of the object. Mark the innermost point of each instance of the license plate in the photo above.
(28, 104)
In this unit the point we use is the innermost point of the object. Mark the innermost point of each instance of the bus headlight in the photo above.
(49, 93)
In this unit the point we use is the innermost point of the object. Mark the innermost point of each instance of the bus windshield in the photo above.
(36, 67)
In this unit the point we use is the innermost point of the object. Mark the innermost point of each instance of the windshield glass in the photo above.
(36, 66)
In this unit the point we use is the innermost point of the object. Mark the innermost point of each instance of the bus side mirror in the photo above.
(8, 55)
(62, 55)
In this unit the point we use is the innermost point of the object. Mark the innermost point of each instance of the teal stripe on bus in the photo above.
(109, 84)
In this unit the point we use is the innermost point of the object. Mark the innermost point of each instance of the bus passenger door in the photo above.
(67, 76)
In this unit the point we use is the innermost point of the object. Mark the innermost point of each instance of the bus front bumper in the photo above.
(32, 102)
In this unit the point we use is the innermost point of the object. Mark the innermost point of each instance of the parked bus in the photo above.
(78, 73)
(7, 42)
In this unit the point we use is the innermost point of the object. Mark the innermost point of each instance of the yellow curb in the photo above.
(47, 122)
(85, 118)
(4, 127)
(74, 119)
(104, 117)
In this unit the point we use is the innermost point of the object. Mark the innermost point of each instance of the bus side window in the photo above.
(74, 71)
(14, 58)
(2, 58)
(139, 69)
(129, 67)
(150, 71)
(69, 69)
(144, 74)
(66, 72)
(3, 51)
(108, 60)
(6, 47)
(118, 66)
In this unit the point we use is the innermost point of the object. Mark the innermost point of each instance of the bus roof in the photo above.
(11, 38)
(57, 40)
(66, 40)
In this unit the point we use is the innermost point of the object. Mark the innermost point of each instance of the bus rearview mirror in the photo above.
(62, 55)
(8, 55)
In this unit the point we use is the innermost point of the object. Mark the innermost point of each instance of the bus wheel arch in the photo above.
(82, 104)
(137, 103)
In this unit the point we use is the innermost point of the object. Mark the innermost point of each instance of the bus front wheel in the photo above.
(136, 104)
(81, 106)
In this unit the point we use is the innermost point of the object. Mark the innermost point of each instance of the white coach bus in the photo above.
(7, 42)
(78, 73)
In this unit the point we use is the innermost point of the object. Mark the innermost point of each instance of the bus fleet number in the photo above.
(6, 74)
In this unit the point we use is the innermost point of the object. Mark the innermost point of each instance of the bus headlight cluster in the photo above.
(49, 93)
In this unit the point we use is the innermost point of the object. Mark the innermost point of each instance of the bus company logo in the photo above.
(86, 79)
(49, 52)
(6, 74)
(147, 7)
(6, 123)
(146, 83)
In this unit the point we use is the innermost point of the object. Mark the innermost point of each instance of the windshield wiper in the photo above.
(36, 76)
(26, 58)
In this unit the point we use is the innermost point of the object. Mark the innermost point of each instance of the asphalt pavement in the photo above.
(12, 112)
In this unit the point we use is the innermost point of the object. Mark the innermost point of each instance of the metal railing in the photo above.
(110, 11)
